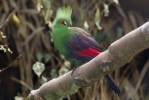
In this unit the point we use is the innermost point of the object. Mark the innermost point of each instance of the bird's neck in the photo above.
(59, 35)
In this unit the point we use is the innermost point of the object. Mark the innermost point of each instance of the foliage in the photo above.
(27, 33)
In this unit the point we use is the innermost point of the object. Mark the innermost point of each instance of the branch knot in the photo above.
(105, 65)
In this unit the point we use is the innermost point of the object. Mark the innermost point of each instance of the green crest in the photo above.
(64, 12)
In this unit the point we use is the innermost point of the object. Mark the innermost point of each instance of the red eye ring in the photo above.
(63, 22)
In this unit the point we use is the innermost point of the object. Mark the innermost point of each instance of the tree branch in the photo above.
(118, 54)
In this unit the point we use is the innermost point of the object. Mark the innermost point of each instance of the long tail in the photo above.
(112, 84)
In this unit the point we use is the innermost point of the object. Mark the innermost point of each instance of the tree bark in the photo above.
(118, 54)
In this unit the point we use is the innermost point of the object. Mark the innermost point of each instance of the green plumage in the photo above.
(64, 12)
(60, 31)
(74, 42)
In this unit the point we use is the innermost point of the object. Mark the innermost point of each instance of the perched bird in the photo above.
(76, 43)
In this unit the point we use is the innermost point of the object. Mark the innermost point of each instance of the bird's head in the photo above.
(63, 17)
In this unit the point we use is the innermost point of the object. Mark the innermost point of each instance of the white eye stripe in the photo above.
(65, 23)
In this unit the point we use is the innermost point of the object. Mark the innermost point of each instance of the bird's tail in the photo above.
(112, 84)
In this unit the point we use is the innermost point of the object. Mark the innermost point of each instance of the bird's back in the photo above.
(81, 45)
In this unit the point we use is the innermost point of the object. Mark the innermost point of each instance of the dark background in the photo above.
(31, 38)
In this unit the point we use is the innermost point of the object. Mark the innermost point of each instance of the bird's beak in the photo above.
(70, 25)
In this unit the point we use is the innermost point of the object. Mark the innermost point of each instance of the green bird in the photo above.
(76, 43)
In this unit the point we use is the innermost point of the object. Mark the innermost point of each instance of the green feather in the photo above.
(60, 32)
(64, 12)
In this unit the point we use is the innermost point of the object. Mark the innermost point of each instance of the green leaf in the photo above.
(119, 32)
(106, 10)
(18, 98)
(116, 2)
(39, 56)
(53, 73)
(99, 37)
(46, 3)
(97, 19)
(86, 26)
(43, 79)
(97, 15)
(47, 57)
(38, 68)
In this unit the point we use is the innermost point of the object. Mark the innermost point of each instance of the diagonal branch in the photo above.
(118, 54)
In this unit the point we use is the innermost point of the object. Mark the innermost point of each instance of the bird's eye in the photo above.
(63, 22)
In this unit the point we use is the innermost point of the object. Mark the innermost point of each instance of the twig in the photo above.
(11, 64)
(22, 83)
(6, 20)
(33, 34)
(144, 70)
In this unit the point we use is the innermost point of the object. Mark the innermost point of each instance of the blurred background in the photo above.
(26, 25)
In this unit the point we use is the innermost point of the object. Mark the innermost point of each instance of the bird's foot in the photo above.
(78, 64)
(74, 69)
